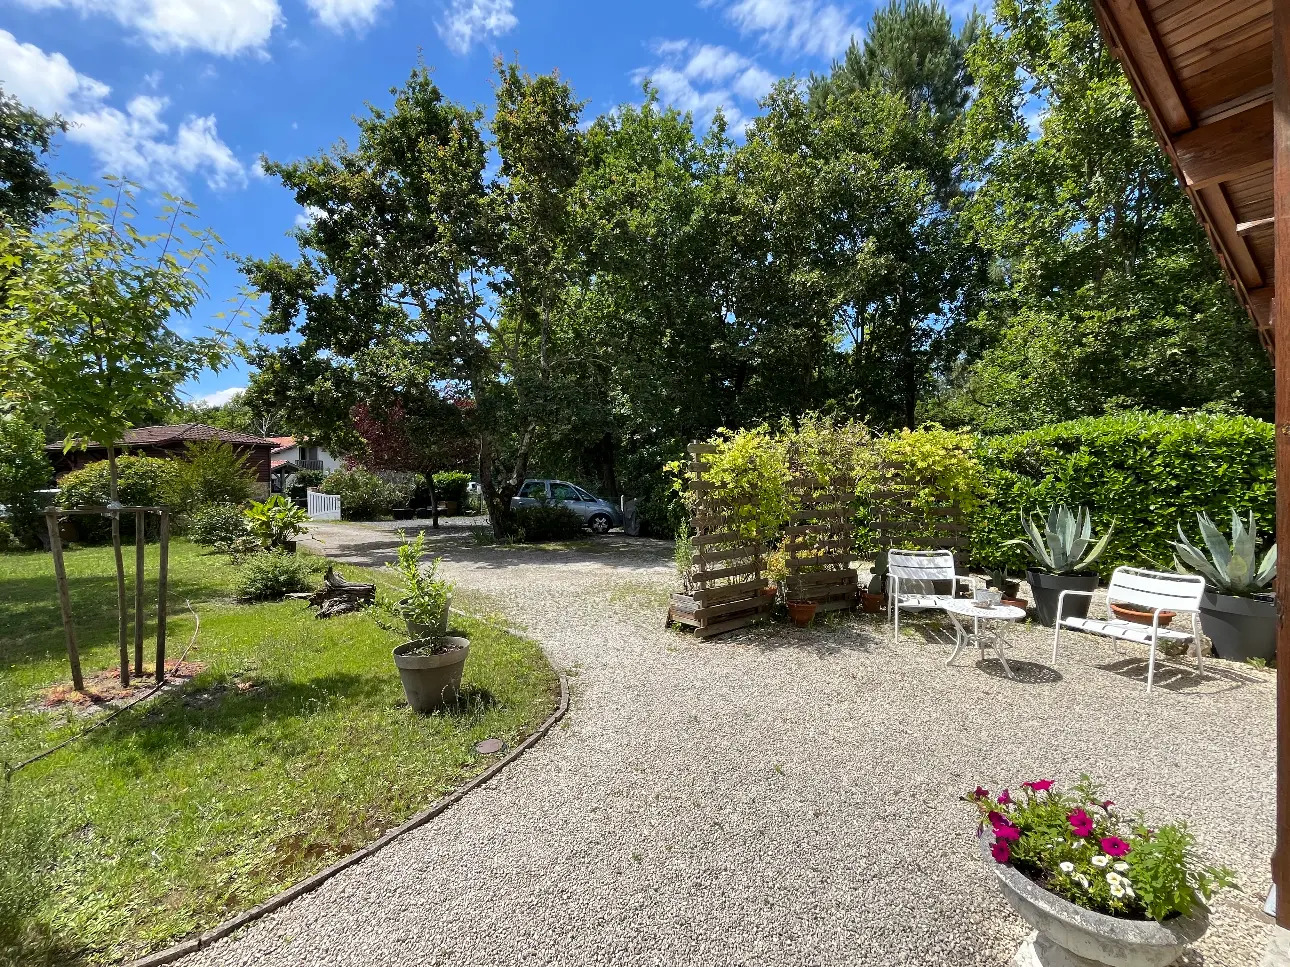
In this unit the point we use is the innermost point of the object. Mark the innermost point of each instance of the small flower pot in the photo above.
(1011, 602)
(872, 603)
(1125, 613)
(430, 670)
(1066, 934)
(802, 612)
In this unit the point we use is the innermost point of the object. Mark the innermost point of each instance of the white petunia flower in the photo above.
(1066, 867)
(1121, 867)
(1114, 879)
(1101, 860)
(1082, 880)
(1128, 889)
(1117, 891)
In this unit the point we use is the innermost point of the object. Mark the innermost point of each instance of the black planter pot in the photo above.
(1047, 589)
(401, 513)
(1240, 628)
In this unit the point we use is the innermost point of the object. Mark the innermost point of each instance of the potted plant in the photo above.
(427, 597)
(1096, 887)
(1009, 588)
(1062, 562)
(776, 572)
(276, 523)
(1237, 613)
(802, 612)
(874, 599)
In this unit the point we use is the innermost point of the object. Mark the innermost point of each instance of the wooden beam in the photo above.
(1258, 225)
(1226, 149)
(1145, 55)
(1281, 321)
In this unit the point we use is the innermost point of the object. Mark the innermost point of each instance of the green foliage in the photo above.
(309, 478)
(1061, 547)
(425, 594)
(272, 575)
(1078, 846)
(1147, 471)
(8, 542)
(938, 467)
(212, 472)
(24, 469)
(363, 495)
(217, 525)
(830, 450)
(27, 852)
(747, 470)
(141, 482)
(451, 485)
(26, 191)
(550, 522)
(276, 521)
(1230, 567)
(683, 557)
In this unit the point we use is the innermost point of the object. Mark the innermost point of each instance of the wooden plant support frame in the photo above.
(822, 535)
(729, 569)
(140, 514)
(899, 524)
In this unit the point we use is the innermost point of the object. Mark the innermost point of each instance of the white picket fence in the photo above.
(323, 506)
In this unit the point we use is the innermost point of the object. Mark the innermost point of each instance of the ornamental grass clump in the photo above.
(1078, 846)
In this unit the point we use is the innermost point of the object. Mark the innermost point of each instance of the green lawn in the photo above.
(292, 748)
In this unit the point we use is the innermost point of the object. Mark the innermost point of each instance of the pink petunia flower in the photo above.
(1107, 804)
(1039, 785)
(1080, 822)
(1004, 798)
(1114, 846)
(1007, 831)
(1000, 852)
(979, 793)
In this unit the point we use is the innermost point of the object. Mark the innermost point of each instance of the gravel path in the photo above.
(773, 797)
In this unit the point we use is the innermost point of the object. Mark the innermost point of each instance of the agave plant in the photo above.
(1060, 547)
(1229, 568)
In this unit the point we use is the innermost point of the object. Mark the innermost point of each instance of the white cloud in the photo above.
(219, 397)
(467, 22)
(702, 77)
(308, 215)
(342, 14)
(136, 142)
(810, 27)
(216, 26)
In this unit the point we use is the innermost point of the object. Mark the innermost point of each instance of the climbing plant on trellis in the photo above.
(818, 541)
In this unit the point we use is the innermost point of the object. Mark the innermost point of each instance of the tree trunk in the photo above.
(434, 501)
(497, 499)
(122, 621)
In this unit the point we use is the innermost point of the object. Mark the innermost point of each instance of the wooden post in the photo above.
(140, 520)
(64, 598)
(163, 554)
(1281, 331)
(122, 619)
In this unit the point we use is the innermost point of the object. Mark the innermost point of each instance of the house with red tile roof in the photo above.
(168, 442)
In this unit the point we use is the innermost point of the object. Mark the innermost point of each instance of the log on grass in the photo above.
(338, 596)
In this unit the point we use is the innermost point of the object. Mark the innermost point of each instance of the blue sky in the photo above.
(185, 95)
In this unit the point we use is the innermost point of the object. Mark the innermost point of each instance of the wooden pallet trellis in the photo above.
(899, 523)
(729, 569)
(819, 543)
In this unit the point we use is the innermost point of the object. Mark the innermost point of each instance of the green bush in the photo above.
(363, 494)
(24, 469)
(141, 481)
(549, 522)
(217, 525)
(273, 574)
(1147, 472)
(8, 542)
(212, 472)
(451, 485)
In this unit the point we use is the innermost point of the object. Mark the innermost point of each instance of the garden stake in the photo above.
(64, 599)
(139, 519)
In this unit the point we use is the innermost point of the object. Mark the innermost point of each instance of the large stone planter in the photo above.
(1047, 589)
(1070, 936)
(1240, 628)
(431, 681)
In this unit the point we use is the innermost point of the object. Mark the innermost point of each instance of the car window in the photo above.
(584, 495)
(533, 488)
(563, 491)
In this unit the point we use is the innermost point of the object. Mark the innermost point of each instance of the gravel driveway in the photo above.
(775, 796)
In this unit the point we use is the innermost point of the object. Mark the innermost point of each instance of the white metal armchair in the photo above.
(912, 576)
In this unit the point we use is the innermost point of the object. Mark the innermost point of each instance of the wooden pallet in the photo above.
(937, 528)
(821, 537)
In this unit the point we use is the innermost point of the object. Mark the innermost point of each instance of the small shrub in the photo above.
(24, 469)
(141, 482)
(212, 472)
(275, 521)
(217, 525)
(551, 522)
(363, 494)
(309, 478)
(274, 574)
(451, 485)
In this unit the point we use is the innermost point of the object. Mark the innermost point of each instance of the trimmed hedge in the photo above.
(1148, 472)
(451, 485)
(141, 482)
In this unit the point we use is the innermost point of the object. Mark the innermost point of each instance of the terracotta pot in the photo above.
(1125, 613)
(872, 603)
(1021, 603)
(769, 592)
(802, 612)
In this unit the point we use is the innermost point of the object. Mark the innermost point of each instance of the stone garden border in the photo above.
(218, 932)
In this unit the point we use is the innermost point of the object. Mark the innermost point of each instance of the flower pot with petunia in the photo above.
(1068, 862)
(1064, 555)
(1237, 613)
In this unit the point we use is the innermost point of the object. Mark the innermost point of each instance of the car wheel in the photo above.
(600, 524)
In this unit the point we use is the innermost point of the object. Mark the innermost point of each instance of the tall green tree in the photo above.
(1102, 293)
(26, 189)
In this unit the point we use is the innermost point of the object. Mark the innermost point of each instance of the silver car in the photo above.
(599, 515)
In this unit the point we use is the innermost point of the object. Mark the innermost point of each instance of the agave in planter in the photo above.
(1237, 613)
(1097, 888)
(1064, 558)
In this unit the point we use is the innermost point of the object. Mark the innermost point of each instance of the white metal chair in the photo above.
(912, 576)
(1153, 591)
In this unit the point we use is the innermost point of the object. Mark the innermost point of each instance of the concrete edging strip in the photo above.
(208, 937)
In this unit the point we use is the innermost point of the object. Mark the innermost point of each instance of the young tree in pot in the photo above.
(1237, 613)
(426, 596)
(430, 665)
(1063, 564)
